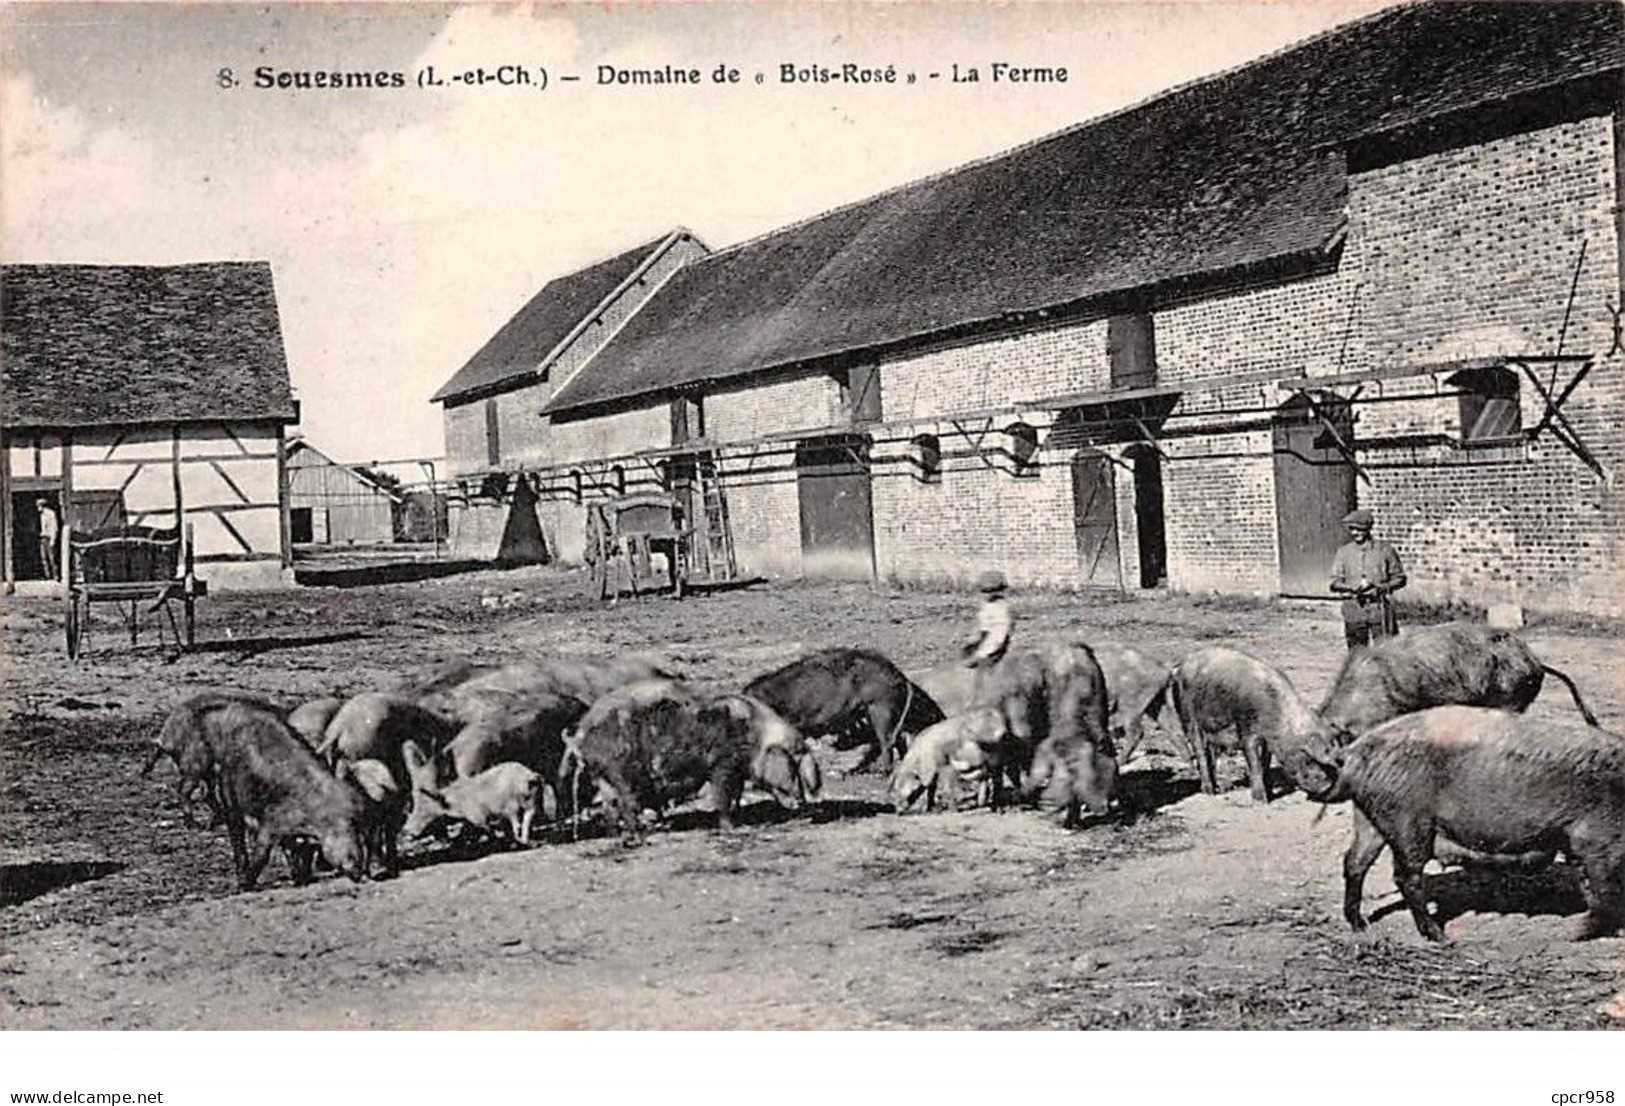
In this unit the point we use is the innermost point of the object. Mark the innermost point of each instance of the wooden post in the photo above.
(8, 573)
(190, 585)
(175, 475)
(62, 506)
(283, 511)
(1619, 194)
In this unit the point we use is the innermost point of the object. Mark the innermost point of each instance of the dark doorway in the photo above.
(1094, 519)
(27, 558)
(1148, 521)
(837, 517)
(301, 528)
(1314, 489)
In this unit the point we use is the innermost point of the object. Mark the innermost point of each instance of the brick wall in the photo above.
(524, 437)
(465, 436)
(582, 444)
(764, 509)
(1473, 252)
(978, 514)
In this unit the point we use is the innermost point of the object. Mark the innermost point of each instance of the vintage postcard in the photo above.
(1066, 516)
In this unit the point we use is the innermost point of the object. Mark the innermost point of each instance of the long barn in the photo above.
(144, 395)
(1174, 345)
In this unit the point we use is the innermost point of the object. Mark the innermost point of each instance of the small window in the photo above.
(925, 459)
(687, 419)
(493, 436)
(1131, 349)
(1489, 406)
(1023, 449)
(860, 393)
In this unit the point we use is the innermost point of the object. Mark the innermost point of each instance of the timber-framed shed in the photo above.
(145, 395)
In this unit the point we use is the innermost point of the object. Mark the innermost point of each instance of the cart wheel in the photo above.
(593, 553)
(73, 628)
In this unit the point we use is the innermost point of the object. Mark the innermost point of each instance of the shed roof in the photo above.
(296, 458)
(101, 345)
(527, 343)
(1223, 175)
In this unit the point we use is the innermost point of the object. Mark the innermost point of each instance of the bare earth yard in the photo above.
(1203, 911)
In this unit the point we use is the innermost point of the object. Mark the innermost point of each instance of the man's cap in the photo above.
(1358, 519)
(990, 582)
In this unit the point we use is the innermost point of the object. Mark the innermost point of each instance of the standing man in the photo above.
(49, 536)
(993, 624)
(1366, 572)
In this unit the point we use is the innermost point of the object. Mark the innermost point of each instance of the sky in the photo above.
(405, 225)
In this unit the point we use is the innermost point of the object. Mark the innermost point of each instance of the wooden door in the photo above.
(1094, 520)
(1314, 489)
(837, 517)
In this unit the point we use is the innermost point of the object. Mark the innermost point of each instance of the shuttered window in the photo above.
(925, 455)
(493, 440)
(1131, 348)
(1023, 449)
(860, 395)
(687, 419)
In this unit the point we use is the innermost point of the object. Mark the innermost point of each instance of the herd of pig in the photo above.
(1424, 733)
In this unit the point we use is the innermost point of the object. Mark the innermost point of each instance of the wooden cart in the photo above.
(622, 535)
(129, 566)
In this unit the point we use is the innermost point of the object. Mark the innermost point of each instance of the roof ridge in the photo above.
(646, 252)
(1392, 11)
(588, 360)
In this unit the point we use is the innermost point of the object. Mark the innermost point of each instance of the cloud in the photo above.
(60, 172)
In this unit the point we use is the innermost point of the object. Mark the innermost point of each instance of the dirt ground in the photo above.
(1203, 911)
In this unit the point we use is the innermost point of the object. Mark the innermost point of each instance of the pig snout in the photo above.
(906, 791)
(776, 771)
(345, 852)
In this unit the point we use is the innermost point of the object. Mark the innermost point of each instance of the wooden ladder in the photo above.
(714, 525)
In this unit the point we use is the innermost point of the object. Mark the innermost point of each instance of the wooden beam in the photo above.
(193, 459)
(232, 484)
(225, 524)
(1568, 435)
(284, 499)
(1619, 193)
(175, 476)
(7, 570)
(1343, 447)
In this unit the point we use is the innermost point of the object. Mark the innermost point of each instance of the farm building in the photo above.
(491, 405)
(144, 395)
(1173, 346)
(334, 504)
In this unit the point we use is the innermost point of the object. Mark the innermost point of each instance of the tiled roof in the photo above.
(89, 345)
(521, 348)
(1228, 173)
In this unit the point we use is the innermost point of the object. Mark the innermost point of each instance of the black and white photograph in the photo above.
(814, 516)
